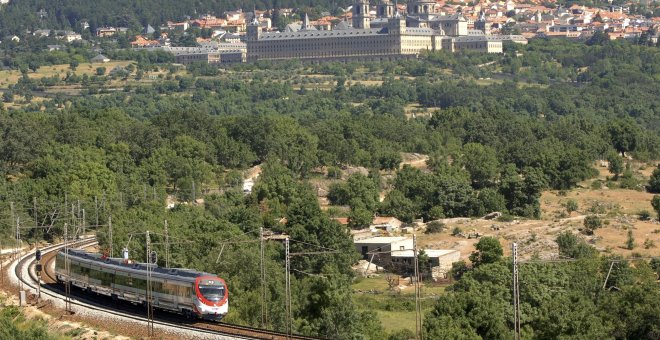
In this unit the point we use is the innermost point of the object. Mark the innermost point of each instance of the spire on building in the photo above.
(305, 24)
(397, 14)
(255, 19)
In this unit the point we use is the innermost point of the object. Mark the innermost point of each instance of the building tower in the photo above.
(482, 23)
(254, 29)
(422, 9)
(305, 23)
(361, 18)
(385, 9)
(397, 23)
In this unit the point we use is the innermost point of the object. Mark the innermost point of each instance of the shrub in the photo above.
(334, 172)
(571, 206)
(644, 215)
(456, 231)
(648, 243)
(596, 185)
(434, 227)
(630, 243)
(505, 218)
(655, 203)
(591, 223)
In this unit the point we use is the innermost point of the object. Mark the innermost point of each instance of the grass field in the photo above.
(395, 311)
(12, 76)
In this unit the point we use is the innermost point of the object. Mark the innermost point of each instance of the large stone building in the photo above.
(388, 36)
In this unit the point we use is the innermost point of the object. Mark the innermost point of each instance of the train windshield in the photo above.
(213, 293)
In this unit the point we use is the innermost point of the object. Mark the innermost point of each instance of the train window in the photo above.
(212, 293)
(157, 286)
(184, 291)
(59, 262)
(169, 288)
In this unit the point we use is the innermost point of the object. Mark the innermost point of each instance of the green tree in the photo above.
(481, 162)
(630, 242)
(359, 217)
(399, 206)
(8, 96)
(591, 223)
(357, 190)
(488, 250)
(615, 165)
(572, 246)
(654, 181)
(655, 203)
(623, 135)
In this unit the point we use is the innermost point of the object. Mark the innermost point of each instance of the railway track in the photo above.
(126, 310)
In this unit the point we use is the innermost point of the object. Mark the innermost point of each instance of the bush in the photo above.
(334, 172)
(434, 227)
(630, 243)
(505, 218)
(644, 215)
(596, 185)
(655, 203)
(571, 206)
(456, 231)
(648, 243)
(654, 181)
(591, 223)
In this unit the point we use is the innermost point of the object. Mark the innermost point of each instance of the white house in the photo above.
(386, 223)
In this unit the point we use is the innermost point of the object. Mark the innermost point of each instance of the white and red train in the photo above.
(188, 292)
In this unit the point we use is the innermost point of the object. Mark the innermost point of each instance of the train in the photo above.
(190, 293)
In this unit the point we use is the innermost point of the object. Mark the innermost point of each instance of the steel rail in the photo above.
(227, 329)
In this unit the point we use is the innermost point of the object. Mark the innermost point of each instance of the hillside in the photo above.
(19, 15)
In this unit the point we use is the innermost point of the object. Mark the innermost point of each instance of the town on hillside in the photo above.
(376, 30)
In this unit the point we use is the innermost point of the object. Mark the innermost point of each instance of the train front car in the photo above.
(212, 298)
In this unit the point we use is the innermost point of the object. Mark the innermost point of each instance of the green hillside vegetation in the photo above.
(13, 325)
(493, 146)
(66, 14)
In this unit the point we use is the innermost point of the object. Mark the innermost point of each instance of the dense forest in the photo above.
(20, 15)
(556, 107)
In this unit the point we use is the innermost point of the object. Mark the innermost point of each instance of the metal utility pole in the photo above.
(83, 221)
(110, 233)
(96, 210)
(608, 275)
(67, 267)
(73, 218)
(18, 247)
(193, 192)
(418, 306)
(167, 247)
(149, 295)
(36, 221)
(37, 251)
(78, 217)
(516, 293)
(13, 220)
(263, 278)
(288, 288)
